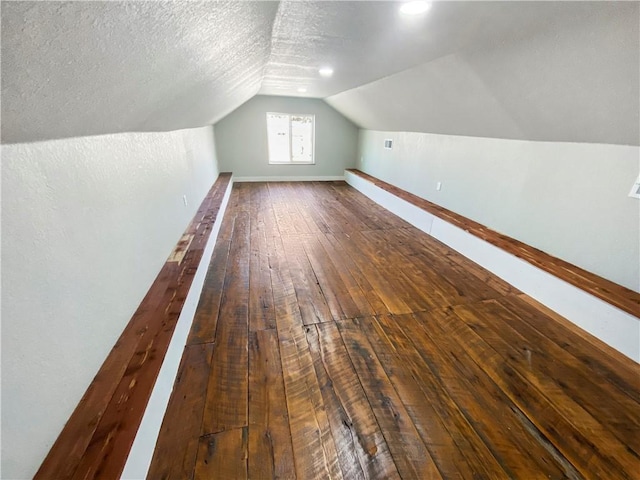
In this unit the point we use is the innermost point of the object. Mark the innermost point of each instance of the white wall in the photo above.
(567, 199)
(241, 139)
(87, 223)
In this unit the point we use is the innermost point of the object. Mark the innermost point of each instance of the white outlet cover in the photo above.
(635, 190)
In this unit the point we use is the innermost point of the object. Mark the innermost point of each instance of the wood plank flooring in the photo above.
(621, 297)
(334, 340)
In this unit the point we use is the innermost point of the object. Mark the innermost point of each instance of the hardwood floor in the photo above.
(334, 340)
(621, 297)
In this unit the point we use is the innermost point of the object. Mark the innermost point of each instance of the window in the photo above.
(290, 138)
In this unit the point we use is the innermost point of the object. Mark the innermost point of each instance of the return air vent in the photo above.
(388, 144)
(635, 190)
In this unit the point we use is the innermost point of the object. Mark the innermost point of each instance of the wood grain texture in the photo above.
(558, 387)
(96, 439)
(261, 308)
(519, 454)
(617, 295)
(222, 455)
(361, 447)
(207, 313)
(457, 449)
(409, 452)
(313, 445)
(269, 433)
(347, 344)
(177, 445)
(227, 395)
(583, 346)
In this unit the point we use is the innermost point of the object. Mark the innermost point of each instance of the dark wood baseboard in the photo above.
(97, 438)
(621, 297)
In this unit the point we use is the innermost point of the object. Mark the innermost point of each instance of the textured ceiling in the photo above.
(366, 41)
(83, 68)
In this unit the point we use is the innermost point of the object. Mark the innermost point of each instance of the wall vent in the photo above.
(388, 143)
(635, 190)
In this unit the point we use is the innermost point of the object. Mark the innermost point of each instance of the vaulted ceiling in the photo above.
(533, 70)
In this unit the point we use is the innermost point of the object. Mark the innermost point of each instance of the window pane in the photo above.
(278, 138)
(302, 138)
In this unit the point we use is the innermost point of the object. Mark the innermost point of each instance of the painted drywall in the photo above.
(241, 139)
(87, 223)
(567, 199)
(567, 82)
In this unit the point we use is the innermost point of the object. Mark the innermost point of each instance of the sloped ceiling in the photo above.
(574, 80)
(366, 41)
(84, 68)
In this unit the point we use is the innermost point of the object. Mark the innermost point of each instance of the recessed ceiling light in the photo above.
(326, 71)
(302, 90)
(415, 8)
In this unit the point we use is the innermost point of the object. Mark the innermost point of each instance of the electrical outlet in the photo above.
(184, 200)
(635, 190)
(439, 186)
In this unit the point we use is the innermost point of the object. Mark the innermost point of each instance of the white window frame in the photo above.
(313, 139)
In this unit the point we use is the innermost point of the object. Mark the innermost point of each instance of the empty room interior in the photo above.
(320, 239)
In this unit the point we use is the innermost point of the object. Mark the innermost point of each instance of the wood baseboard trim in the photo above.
(601, 307)
(144, 444)
(316, 178)
(98, 437)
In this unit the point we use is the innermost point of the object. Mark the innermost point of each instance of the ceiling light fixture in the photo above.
(302, 90)
(415, 8)
(326, 72)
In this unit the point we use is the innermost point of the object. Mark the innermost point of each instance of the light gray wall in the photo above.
(567, 199)
(87, 223)
(241, 139)
(568, 82)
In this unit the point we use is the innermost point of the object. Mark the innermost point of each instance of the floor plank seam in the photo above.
(569, 469)
(362, 386)
(387, 355)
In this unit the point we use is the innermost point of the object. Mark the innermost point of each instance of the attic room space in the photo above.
(320, 239)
